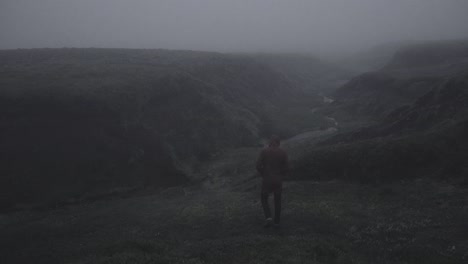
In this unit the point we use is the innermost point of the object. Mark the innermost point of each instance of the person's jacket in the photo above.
(272, 164)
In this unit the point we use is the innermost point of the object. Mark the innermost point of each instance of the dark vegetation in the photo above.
(410, 222)
(411, 73)
(419, 125)
(88, 120)
(379, 170)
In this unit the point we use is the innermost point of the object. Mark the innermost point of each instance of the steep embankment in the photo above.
(220, 222)
(427, 137)
(412, 72)
(87, 120)
(77, 120)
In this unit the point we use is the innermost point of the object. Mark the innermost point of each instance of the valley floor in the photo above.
(412, 222)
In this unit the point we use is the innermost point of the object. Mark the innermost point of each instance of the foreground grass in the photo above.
(412, 222)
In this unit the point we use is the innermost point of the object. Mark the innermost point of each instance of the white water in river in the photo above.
(327, 100)
(313, 134)
(333, 120)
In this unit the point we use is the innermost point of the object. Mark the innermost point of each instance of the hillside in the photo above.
(323, 222)
(412, 135)
(442, 54)
(306, 72)
(142, 156)
(371, 59)
(413, 71)
(89, 120)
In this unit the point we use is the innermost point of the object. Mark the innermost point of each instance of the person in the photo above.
(272, 165)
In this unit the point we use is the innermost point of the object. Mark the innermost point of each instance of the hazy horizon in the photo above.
(322, 26)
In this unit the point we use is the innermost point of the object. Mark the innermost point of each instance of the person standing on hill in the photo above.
(272, 166)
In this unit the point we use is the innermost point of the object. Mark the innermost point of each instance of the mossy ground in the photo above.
(412, 222)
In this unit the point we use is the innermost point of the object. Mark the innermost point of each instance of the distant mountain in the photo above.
(372, 59)
(430, 56)
(412, 72)
(306, 72)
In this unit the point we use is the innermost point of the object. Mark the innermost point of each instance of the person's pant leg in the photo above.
(266, 207)
(277, 197)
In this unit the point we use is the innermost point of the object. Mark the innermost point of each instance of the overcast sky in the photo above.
(229, 25)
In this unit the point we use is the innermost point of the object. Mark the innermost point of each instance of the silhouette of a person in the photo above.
(273, 166)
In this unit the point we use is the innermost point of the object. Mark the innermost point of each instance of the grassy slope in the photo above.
(412, 221)
(425, 137)
(412, 72)
(408, 222)
(220, 221)
(107, 118)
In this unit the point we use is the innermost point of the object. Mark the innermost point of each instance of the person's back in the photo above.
(272, 165)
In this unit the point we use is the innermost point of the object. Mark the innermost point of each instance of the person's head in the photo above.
(274, 141)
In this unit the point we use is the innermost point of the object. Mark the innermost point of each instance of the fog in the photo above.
(322, 26)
